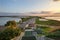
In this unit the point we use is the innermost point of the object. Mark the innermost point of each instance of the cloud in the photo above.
(56, 0)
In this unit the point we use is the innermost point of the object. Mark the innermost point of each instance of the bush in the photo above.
(49, 22)
(9, 33)
(11, 23)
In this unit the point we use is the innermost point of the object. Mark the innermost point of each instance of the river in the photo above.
(3, 20)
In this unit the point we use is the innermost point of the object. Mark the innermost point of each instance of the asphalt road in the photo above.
(30, 21)
(23, 25)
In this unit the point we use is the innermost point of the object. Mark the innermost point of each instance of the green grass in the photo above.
(49, 22)
(46, 29)
(55, 34)
(43, 30)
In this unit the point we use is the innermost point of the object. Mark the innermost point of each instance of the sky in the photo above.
(21, 6)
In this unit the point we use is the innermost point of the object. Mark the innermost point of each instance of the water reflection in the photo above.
(3, 20)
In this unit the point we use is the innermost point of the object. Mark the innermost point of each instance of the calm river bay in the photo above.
(3, 20)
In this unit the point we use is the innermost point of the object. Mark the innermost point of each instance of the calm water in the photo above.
(3, 20)
(54, 18)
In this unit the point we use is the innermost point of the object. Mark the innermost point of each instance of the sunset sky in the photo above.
(20, 6)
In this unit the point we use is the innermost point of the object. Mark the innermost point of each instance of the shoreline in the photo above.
(53, 18)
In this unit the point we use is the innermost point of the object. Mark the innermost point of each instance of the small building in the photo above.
(30, 32)
(33, 26)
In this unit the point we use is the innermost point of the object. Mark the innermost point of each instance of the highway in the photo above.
(23, 26)
(30, 21)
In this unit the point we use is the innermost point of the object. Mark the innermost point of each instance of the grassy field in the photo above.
(44, 29)
(49, 22)
(54, 35)
(47, 31)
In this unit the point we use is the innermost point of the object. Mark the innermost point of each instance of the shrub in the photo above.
(9, 33)
(11, 23)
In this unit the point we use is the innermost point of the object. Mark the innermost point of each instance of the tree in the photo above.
(9, 33)
(11, 23)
